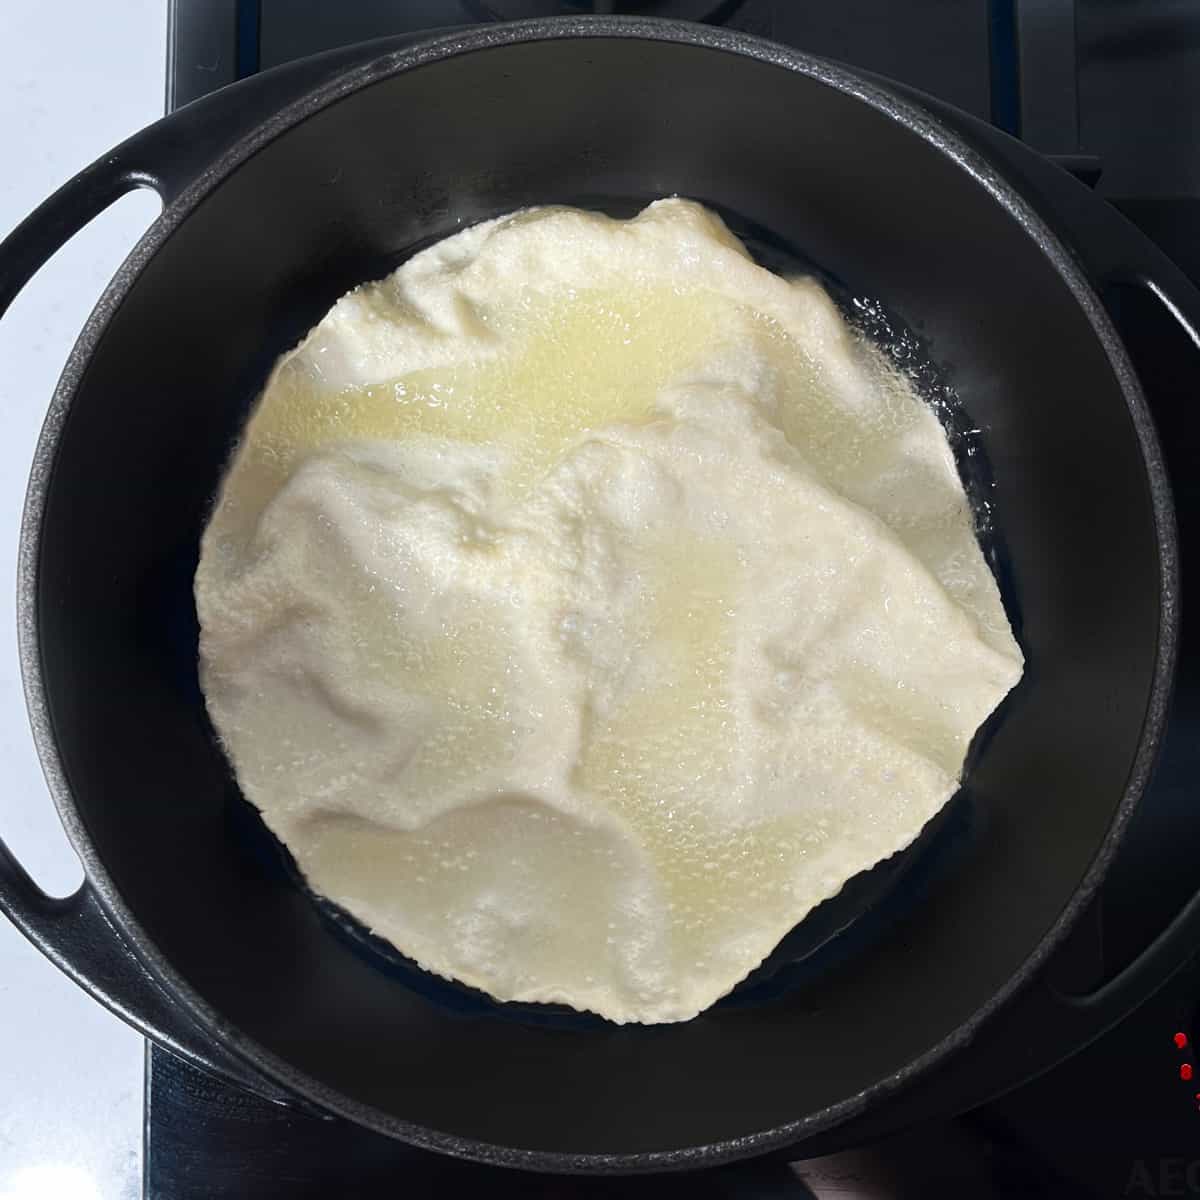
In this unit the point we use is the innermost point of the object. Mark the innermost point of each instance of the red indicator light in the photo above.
(1185, 1070)
(1180, 1040)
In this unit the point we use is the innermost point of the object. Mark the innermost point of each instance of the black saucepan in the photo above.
(190, 930)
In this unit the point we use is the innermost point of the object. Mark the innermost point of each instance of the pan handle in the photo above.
(165, 157)
(75, 932)
(78, 936)
(1109, 1003)
(53, 223)
(1178, 299)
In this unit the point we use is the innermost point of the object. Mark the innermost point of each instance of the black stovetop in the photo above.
(1109, 89)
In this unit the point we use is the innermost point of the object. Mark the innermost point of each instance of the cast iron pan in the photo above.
(187, 929)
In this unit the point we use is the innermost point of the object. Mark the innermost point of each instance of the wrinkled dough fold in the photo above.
(584, 604)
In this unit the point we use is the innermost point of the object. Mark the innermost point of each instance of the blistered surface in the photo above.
(585, 604)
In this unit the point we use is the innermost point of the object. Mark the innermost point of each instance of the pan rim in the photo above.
(482, 38)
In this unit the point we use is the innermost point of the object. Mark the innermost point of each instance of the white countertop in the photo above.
(78, 77)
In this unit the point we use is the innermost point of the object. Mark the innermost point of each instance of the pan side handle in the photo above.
(77, 932)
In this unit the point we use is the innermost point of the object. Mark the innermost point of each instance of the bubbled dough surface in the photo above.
(585, 604)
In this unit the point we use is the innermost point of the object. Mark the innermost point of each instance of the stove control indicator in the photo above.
(1186, 1070)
